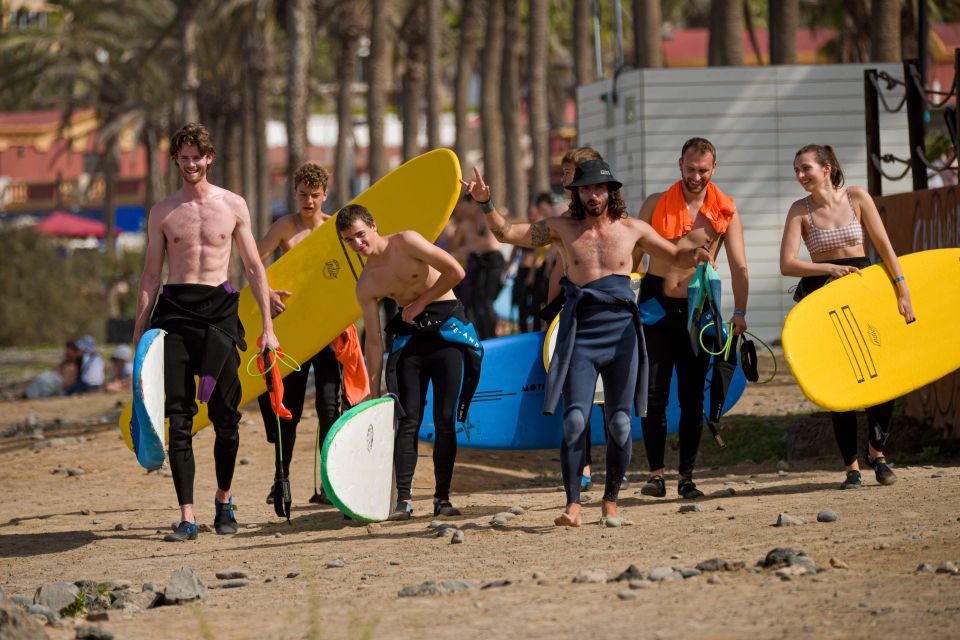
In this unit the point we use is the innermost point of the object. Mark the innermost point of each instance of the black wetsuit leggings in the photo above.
(605, 345)
(668, 347)
(326, 375)
(183, 349)
(484, 271)
(427, 358)
(523, 298)
(845, 423)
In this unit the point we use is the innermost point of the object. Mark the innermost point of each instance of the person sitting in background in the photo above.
(90, 368)
(52, 382)
(121, 369)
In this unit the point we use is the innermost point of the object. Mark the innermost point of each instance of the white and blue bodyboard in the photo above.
(147, 427)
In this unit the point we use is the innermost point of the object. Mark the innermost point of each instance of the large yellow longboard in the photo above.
(849, 347)
(321, 272)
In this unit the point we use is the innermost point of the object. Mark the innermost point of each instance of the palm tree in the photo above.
(885, 30)
(510, 110)
(647, 40)
(469, 43)
(784, 23)
(413, 34)
(300, 29)
(537, 58)
(726, 32)
(582, 51)
(376, 85)
(349, 27)
(491, 123)
(190, 78)
(433, 73)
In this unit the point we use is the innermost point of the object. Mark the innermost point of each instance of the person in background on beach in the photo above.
(432, 342)
(194, 229)
(599, 326)
(692, 212)
(831, 221)
(310, 190)
(484, 266)
(90, 368)
(121, 369)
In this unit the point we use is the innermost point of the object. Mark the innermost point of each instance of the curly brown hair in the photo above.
(616, 207)
(311, 175)
(192, 133)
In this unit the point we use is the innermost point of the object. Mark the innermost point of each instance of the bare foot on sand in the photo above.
(608, 509)
(570, 516)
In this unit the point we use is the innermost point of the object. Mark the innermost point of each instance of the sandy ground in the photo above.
(881, 536)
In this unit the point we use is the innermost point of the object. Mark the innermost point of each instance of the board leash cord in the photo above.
(725, 350)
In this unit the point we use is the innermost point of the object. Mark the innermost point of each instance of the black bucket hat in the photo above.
(594, 172)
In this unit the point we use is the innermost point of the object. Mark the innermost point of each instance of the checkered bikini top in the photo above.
(822, 240)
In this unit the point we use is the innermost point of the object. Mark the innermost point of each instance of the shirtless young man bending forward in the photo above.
(433, 342)
(599, 327)
(195, 228)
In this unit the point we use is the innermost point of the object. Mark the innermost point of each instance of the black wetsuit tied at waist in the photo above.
(614, 291)
(445, 319)
(208, 309)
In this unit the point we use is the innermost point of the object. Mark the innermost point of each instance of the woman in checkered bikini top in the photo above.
(822, 240)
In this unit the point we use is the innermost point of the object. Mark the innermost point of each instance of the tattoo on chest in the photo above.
(539, 233)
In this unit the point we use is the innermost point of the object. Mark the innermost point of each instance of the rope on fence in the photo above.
(918, 82)
(889, 157)
(891, 83)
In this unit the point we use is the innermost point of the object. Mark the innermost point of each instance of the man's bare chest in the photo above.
(190, 227)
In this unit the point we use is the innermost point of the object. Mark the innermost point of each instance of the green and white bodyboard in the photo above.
(356, 462)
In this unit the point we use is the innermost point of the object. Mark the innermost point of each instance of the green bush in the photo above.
(51, 295)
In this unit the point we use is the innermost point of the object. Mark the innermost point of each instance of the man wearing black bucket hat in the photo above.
(599, 327)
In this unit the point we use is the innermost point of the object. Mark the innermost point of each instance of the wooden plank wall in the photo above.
(757, 118)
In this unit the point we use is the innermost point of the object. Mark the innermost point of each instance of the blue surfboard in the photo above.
(507, 409)
(147, 421)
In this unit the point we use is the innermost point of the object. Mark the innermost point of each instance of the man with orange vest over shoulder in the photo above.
(693, 212)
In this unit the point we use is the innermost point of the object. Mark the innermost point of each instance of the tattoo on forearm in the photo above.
(500, 232)
(539, 233)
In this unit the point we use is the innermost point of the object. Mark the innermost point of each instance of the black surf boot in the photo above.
(852, 481)
(884, 473)
(688, 489)
(444, 508)
(654, 487)
(224, 521)
(184, 531)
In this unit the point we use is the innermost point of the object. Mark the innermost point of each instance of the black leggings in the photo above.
(845, 422)
(427, 358)
(524, 298)
(668, 347)
(483, 274)
(845, 429)
(183, 348)
(326, 375)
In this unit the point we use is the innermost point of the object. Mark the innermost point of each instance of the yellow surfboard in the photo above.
(849, 347)
(321, 272)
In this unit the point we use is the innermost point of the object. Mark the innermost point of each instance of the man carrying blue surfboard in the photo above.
(194, 229)
(432, 342)
(599, 326)
(691, 212)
